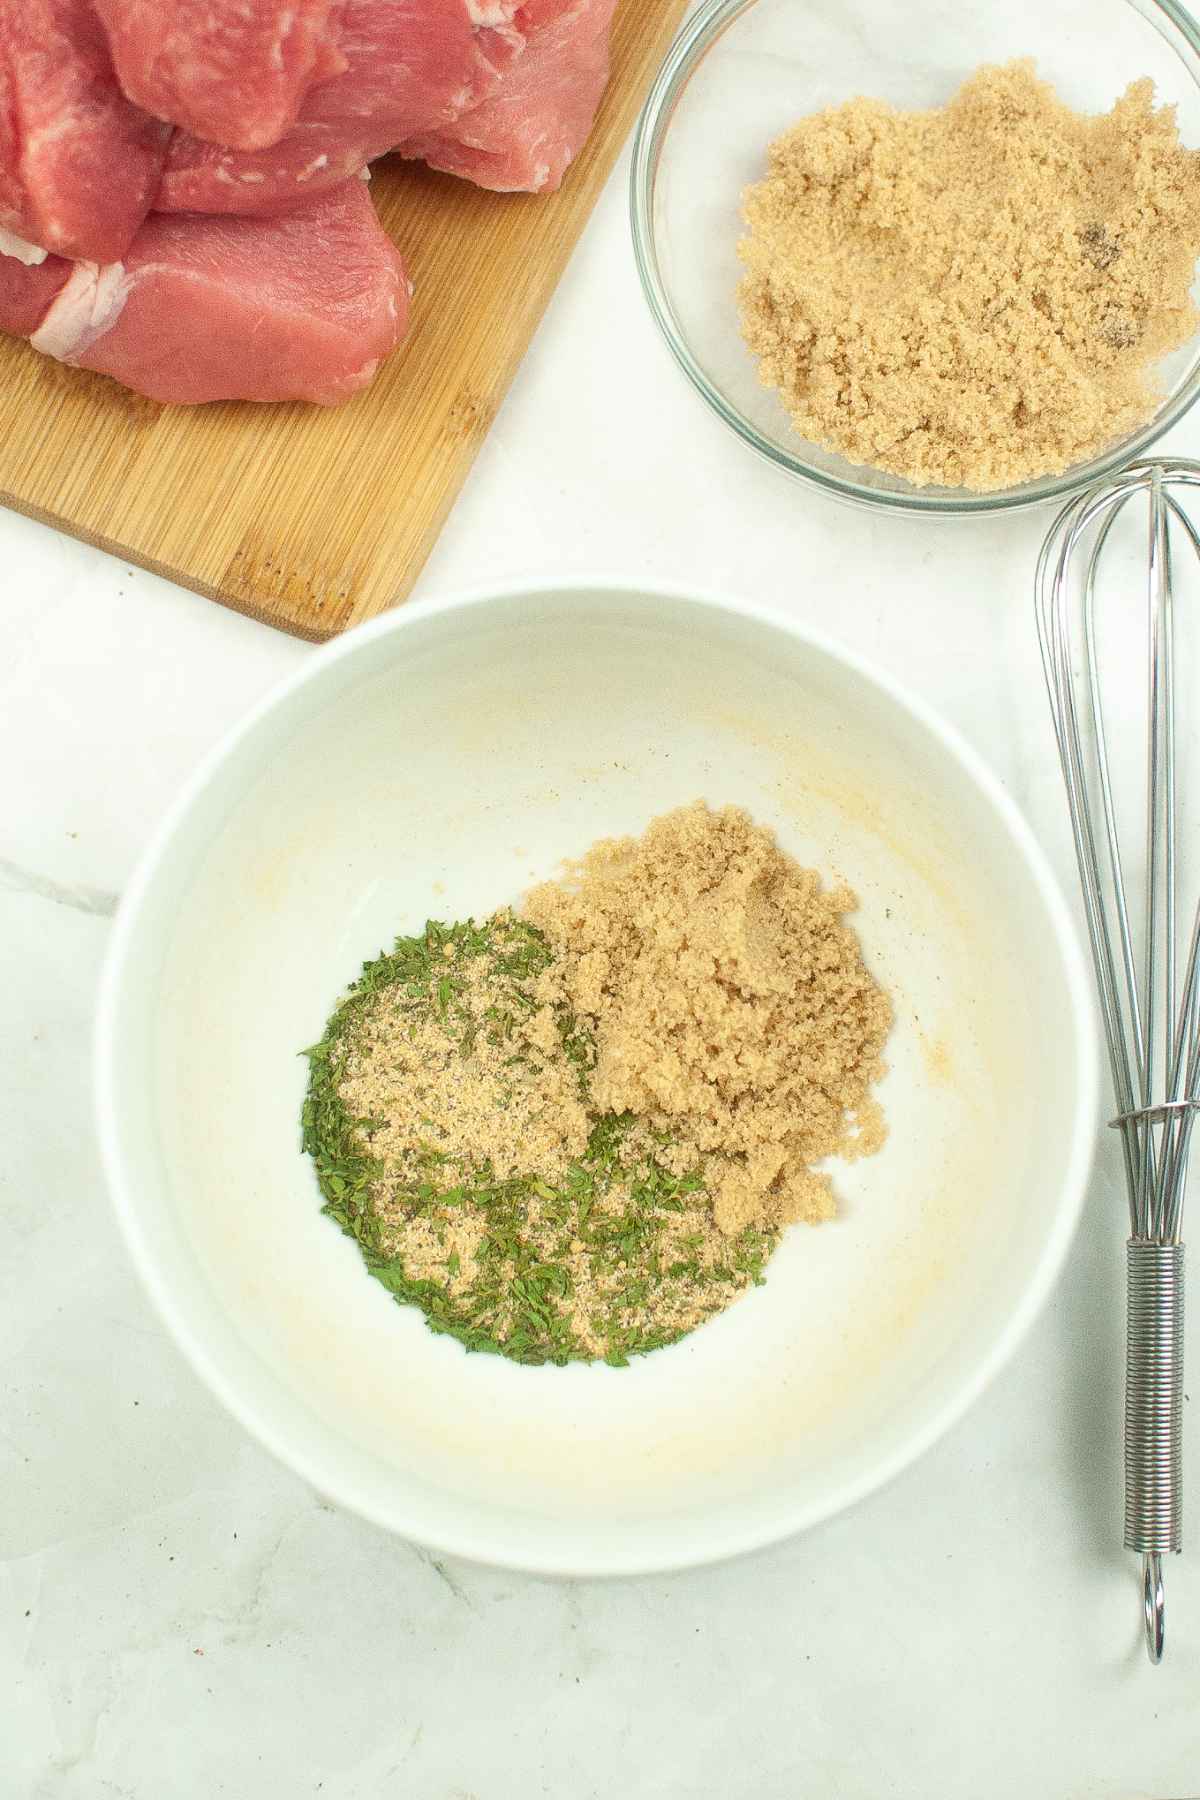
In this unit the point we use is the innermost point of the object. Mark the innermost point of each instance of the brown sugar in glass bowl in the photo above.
(746, 71)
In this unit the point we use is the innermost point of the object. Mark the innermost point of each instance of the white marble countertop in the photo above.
(182, 1619)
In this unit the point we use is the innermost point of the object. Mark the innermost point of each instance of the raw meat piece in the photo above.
(311, 159)
(524, 137)
(412, 66)
(298, 308)
(79, 165)
(226, 70)
(537, 13)
(27, 292)
(303, 307)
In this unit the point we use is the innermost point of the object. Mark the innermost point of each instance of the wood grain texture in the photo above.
(308, 519)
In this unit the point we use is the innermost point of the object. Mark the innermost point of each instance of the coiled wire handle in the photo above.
(1154, 1418)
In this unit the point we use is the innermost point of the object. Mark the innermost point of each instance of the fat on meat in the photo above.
(79, 164)
(412, 66)
(229, 71)
(302, 307)
(526, 134)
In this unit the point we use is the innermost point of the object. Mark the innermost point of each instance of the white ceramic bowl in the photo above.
(436, 763)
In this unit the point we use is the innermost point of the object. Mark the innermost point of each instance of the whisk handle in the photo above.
(1154, 1416)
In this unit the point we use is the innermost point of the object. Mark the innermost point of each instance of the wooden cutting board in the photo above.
(312, 519)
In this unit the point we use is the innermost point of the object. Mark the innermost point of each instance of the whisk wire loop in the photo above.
(1151, 1018)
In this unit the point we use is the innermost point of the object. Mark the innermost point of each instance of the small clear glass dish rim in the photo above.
(695, 40)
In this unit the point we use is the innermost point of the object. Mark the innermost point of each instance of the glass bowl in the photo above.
(741, 71)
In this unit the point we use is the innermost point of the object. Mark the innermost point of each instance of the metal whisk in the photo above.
(1151, 1018)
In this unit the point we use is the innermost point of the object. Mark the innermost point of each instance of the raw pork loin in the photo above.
(228, 71)
(79, 165)
(524, 137)
(27, 292)
(201, 177)
(411, 66)
(280, 105)
(298, 308)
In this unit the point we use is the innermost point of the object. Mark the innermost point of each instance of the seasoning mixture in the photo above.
(578, 1134)
(975, 295)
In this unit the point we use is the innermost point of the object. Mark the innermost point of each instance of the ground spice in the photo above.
(975, 295)
(579, 1134)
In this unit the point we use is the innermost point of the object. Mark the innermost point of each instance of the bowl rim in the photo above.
(191, 1330)
(694, 40)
